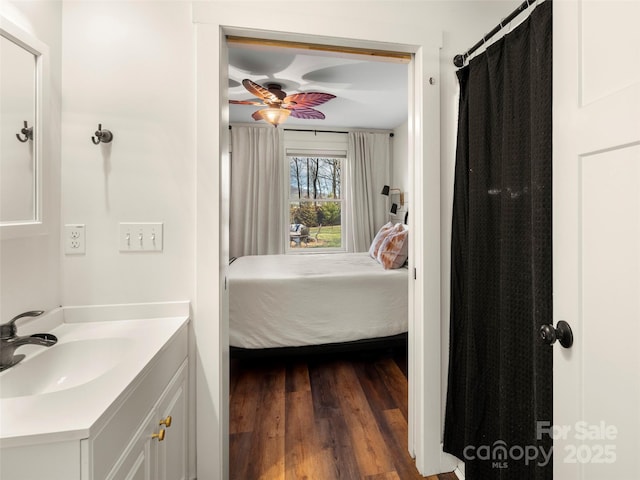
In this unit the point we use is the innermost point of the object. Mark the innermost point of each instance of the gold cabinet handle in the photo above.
(159, 435)
(166, 422)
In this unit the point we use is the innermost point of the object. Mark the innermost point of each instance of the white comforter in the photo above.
(295, 300)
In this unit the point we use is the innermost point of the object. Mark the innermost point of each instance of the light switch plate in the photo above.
(140, 237)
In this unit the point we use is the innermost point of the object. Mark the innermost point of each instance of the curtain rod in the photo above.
(459, 60)
(315, 131)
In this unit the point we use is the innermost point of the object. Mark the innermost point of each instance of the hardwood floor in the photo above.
(343, 417)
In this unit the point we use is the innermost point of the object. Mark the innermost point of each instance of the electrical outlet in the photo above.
(74, 239)
(140, 237)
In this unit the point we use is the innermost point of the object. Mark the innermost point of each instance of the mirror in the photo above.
(22, 73)
(17, 167)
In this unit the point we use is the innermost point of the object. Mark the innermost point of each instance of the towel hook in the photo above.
(27, 132)
(102, 136)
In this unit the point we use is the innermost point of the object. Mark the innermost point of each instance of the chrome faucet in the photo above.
(9, 340)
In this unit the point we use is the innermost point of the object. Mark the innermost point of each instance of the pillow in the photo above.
(379, 238)
(394, 250)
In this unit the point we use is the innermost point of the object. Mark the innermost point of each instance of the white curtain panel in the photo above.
(257, 213)
(368, 170)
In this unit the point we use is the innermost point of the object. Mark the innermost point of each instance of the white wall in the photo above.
(30, 266)
(129, 66)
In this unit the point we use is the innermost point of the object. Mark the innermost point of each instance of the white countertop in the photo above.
(71, 413)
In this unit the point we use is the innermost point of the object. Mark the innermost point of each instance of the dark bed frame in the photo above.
(393, 342)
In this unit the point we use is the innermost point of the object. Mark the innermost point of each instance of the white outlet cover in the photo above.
(74, 239)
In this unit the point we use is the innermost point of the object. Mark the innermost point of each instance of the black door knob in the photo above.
(561, 333)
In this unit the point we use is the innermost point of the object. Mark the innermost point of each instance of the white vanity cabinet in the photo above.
(113, 426)
(134, 441)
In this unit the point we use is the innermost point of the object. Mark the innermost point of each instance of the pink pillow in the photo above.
(379, 238)
(395, 249)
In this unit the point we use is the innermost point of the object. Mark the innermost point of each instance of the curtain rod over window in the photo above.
(459, 60)
(315, 131)
(319, 131)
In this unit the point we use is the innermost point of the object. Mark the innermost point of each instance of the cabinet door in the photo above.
(140, 459)
(172, 452)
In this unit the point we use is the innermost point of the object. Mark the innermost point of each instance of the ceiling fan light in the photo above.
(274, 116)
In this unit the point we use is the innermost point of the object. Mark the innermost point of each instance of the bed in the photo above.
(284, 301)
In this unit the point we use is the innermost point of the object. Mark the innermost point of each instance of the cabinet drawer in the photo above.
(121, 423)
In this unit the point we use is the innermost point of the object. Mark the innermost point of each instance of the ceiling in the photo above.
(370, 94)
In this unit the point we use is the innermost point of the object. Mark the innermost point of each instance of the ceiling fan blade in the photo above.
(259, 91)
(245, 102)
(307, 113)
(307, 99)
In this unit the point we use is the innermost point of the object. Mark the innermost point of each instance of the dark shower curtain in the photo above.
(500, 374)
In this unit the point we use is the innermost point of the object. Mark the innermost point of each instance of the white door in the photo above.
(596, 236)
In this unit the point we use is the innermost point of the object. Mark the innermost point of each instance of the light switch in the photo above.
(141, 237)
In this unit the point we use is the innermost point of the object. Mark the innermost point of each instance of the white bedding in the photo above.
(296, 300)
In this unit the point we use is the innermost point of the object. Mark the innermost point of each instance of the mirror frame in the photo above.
(37, 225)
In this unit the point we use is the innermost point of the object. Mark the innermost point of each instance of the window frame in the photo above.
(314, 153)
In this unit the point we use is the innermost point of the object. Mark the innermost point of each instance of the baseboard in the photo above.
(459, 474)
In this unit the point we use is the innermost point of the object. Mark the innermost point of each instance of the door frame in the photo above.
(212, 198)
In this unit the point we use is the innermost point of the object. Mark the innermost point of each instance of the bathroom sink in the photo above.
(63, 366)
(69, 390)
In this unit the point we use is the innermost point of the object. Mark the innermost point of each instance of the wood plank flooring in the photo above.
(320, 418)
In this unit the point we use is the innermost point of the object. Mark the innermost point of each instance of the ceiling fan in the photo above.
(280, 105)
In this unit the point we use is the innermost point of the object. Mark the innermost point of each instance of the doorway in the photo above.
(266, 404)
(424, 264)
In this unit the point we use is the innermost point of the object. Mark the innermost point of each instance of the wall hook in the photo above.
(102, 136)
(27, 132)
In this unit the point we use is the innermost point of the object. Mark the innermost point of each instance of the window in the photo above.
(315, 202)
